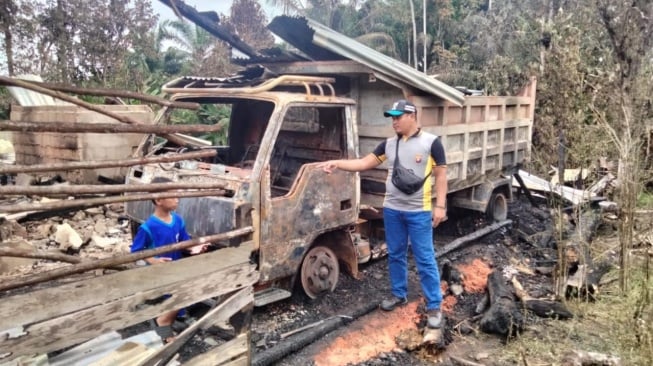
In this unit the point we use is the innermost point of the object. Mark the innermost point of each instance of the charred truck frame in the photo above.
(286, 117)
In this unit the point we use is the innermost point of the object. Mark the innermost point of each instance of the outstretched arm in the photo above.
(351, 165)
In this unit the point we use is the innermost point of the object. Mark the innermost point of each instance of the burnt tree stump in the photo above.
(504, 316)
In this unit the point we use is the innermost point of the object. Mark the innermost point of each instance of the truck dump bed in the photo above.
(484, 138)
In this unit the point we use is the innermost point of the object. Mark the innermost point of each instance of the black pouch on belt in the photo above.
(405, 179)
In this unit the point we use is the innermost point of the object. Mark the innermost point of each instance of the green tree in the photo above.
(89, 40)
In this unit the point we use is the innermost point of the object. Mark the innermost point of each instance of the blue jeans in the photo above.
(399, 225)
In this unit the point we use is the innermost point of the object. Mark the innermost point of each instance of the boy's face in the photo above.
(168, 204)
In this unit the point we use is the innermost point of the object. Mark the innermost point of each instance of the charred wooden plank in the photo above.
(454, 245)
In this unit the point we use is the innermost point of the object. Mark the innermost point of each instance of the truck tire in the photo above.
(497, 208)
(320, 271)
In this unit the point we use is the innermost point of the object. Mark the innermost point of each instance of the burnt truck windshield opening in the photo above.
(242, 121)
(308, 134)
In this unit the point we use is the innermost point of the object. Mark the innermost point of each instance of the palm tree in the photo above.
(202, 53)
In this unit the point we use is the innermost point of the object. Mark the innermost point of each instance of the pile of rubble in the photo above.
(92, 233)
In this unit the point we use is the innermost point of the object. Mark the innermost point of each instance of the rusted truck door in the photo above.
(305, 209)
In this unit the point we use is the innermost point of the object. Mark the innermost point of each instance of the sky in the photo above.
(219, 6)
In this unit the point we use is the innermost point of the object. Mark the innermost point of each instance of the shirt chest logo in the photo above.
(418, 158)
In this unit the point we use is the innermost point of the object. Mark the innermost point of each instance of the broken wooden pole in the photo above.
(35, 254)
(92, 202)
(59, 95)
(525, 189)
(75, 190)
(74, 127)
(110, 262)
(115, 93)
(469, 237)
(53, 167)
(52, 256)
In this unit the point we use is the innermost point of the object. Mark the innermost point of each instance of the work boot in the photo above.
(391, 303)
(434, 319)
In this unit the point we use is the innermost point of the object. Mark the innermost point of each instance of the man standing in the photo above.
(408, 213)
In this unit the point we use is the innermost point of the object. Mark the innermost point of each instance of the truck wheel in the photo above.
(497, 209)
(320, 271)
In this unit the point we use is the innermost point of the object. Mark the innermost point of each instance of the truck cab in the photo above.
(278, 131)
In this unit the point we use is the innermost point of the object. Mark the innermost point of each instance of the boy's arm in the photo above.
(142, 241)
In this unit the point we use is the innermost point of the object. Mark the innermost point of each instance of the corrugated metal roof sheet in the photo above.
(322, 43)
(29, 98)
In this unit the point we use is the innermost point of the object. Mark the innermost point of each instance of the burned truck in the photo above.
(287, 117)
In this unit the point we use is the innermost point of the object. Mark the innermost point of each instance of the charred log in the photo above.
(298, 341)
(503, 317)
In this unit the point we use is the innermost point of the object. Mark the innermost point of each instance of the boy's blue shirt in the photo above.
(155, 233)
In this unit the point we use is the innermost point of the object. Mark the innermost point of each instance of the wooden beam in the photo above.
(121, 259)
(82, 127)
(222, 312)
(53, 167)
(25, 253)
(70, 329)
(92, 202)
(223, 353)
(107, 188)
(53, 256)
(115, 93)
(454, 245)
(5, 80)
